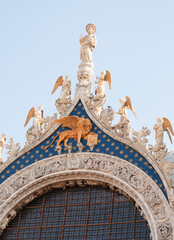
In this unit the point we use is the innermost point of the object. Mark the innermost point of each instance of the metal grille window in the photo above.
(79, 213)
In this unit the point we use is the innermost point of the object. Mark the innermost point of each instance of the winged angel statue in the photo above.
(36, 129)
(123, 128)
(160, 149)
(65, 99)
(96, 103)
(160, 128)
(81, 127)
(102, 80)
(66, 87)
(123, 109)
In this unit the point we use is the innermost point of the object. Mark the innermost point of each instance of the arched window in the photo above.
(79, 213)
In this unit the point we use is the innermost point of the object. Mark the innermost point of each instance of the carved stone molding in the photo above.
(129, 142)
(66, 169)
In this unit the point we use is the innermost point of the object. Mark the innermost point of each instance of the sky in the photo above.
(39, 41)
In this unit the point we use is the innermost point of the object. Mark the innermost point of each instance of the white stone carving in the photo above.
(5, 222)
(100, 90)
(140, 137)
(96, 103)
(165, 231)
(158, 153)
(35, 130)
(122, 128)
(64, 101)
(158, 134)
(85, 72)
(168, 168)
(12, 148)
(107, 116)
(85, 168)
(2, 145)
(49, 121)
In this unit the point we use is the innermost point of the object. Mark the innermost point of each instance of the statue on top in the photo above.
(88, 44)
(86, 67)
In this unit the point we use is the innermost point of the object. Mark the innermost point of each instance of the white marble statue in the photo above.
(158, 127)
(66, 87)
(159, 151)
(122, 129)
(2, 144)
(12, 148)
(125, 104)
(36, 129)
(102, 80)
(86, 67)
(88, 43)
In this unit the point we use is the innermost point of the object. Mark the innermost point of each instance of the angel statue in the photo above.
(64, 101)
(102, 82)
(96, 103)
(88, 43)
(159, 128)
(123, 128)
(123, 109)
(81, 127)
(159, 151)
(2, 145)
(66, 87)
(36, 129)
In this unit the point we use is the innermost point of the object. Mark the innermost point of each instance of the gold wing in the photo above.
(167, 124)
(70, 121)
(30, 115)
(58, 83)
(108, 78)
(166, 127)
(129, 105)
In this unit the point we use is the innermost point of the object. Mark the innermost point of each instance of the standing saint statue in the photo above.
(86, 67)
(88, 44)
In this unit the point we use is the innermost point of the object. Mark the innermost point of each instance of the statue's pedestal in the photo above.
(84, 75)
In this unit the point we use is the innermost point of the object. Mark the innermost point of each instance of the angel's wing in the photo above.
(58, 83)
(167, 124)
(108, 78)
(129, 105)
(70, 121)
(30, 115)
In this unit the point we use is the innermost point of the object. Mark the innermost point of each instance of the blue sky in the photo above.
(40, 41)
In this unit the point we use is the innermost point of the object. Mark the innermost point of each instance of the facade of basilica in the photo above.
(81, 177)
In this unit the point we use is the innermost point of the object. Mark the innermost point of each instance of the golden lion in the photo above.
(80, 129)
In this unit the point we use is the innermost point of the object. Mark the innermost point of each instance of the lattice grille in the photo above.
(79, 213)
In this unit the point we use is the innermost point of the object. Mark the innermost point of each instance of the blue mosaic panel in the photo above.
(79, 213)
(106, 145)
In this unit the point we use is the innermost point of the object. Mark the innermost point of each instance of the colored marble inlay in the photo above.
(106, 145)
